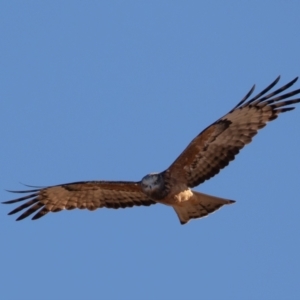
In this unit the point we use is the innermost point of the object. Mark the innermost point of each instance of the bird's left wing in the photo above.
(83, 195)
(218, 144)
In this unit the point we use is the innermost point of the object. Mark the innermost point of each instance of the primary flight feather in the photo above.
(204, 157)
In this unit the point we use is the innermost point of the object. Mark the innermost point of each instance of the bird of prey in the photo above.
(204, 157)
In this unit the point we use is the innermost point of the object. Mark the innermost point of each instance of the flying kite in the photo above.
(204, 157)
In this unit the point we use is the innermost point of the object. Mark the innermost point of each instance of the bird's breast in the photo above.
(178, 193)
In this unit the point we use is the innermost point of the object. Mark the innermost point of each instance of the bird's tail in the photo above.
(198, 206)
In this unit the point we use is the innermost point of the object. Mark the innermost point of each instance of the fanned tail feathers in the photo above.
(200, 205)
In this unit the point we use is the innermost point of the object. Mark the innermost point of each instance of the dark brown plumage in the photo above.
(83, 195)
(217, 145)
(204, 157)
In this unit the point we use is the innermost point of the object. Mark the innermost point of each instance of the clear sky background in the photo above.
(114, 90)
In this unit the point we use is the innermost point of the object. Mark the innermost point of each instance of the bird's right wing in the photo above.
(83, 195)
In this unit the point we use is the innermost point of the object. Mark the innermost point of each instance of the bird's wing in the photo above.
(217, 145)
(83, 195)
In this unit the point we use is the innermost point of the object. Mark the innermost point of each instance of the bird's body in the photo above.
(204, 157)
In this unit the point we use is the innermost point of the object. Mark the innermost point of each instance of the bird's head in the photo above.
(153, 185)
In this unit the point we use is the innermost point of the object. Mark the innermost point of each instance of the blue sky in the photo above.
(114, 90)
